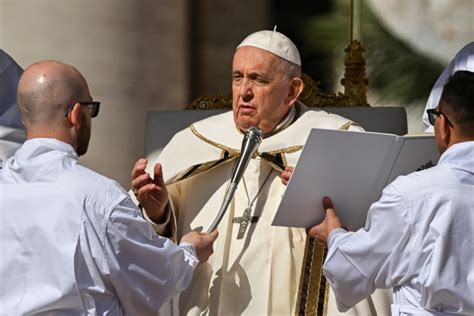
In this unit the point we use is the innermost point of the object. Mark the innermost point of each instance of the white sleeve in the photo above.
(10, 140)
(377, 256)
(146, 270)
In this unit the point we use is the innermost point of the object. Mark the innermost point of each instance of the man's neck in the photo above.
(284, 123)
(65, 138)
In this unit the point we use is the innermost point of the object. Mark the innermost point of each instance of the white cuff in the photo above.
(334, 233)
(189, 253)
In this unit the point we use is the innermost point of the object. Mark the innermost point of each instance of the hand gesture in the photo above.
(202, 242)
(150, 193)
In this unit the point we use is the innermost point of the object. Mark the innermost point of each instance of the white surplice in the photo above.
(260, 273)
(418, 239)
(73, 243)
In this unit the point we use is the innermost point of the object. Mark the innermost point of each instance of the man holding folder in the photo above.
(418, 237)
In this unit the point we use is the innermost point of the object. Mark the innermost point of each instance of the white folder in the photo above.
(352, 168)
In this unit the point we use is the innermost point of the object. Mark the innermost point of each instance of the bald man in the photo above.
(72, 242)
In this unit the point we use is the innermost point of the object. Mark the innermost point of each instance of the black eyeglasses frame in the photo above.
(95, 107)
(433, 115)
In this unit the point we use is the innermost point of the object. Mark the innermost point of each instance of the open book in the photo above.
(352, 168)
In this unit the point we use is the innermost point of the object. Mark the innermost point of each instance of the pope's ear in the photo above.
(296, 88)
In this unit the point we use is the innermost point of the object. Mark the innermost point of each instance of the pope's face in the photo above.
(259, 89)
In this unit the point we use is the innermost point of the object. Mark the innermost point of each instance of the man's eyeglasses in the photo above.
(433, 114)
(94, 107)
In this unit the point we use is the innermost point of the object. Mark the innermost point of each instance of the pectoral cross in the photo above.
(244, 221)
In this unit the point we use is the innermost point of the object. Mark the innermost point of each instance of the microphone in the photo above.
(250, 143)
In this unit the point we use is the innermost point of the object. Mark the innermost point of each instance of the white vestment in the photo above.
(464, 60)
(73, 243)
(258, 274)
(418, 239)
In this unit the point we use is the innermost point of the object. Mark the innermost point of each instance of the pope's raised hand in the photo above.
(150, 193)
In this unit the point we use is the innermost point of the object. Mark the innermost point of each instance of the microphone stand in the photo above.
(250, 143)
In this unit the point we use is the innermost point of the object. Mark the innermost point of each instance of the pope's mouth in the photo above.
(246, 109)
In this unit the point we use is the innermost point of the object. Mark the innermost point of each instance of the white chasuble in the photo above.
(259, 272)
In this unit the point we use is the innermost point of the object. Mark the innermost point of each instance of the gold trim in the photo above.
(355, 80)
(311, 280)
(301, 283)
(326, 299)
(231, 151)
(210, 165)
(346, 126)
(216, 102)
(285, 162)
(283, 153)
(288, 150)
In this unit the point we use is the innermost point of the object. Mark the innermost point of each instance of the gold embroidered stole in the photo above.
(313, 291)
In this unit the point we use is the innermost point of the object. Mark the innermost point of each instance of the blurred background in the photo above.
(142, 55)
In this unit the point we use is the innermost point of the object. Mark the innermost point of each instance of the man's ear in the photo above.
(296, 88)
(75, 116)
(444, 130)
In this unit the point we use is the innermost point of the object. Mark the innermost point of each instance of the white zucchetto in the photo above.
(275, 43)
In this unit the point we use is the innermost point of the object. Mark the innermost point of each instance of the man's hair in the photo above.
(290, 69)
(458, 95)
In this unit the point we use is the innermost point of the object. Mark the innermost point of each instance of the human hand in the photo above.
(286, 175)
(202, 243)
(151, 193)
(331, 221)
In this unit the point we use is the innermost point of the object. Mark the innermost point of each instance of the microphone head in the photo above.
(254, 133)
(250, 143)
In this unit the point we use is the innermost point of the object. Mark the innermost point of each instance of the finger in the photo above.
(139, 168)
(141, 180)
(327, 203)
(147, 191)
(289, 168)
(214, 234)
(331, 215)
(285, 176)
(158, 178)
